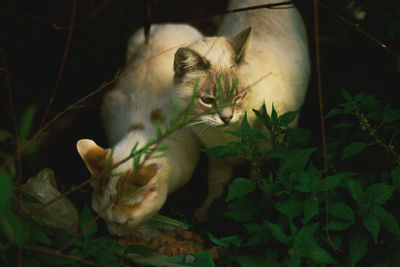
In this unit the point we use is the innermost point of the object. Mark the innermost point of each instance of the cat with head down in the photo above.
(130, 113)
(260, 57)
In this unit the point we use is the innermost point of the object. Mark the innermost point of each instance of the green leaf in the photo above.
(347, 95)
(395, 174)
(336, 240)
(391, 115)
(311, 208)
(335, 180)
(242, 210)
(305, 235)
(274, 116)
(379, 193)
(263, 116)
(226, 151)
(85, 218)
(278, 233)
(319, 255)
(338, 225)
(6, 190)
(245, 126)
(240, 187)
(40, 236)
(372, 224)
(4, 135)
(296, 159)
(333, 112)
(26, 122)
(12, 231)
(388, 220)
(287, 118)
(297, 136)
(341, 210)
(290, 208)
(355, 189)
(353, 149)
(231, 241)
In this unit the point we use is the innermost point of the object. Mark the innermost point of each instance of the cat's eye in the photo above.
(207, 100)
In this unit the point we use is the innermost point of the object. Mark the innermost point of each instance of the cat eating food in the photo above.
(130, 113)
(266, 61)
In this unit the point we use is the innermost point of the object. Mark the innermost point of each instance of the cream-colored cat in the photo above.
(269, 58)
(129, 114)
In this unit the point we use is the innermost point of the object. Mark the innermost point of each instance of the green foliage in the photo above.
(282, 206)
(280, 209)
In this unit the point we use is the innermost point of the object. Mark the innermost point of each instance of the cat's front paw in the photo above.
(201, 214)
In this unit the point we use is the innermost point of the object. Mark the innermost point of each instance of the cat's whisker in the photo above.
(195, 123)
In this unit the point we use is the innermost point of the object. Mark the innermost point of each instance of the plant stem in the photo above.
(61, 71)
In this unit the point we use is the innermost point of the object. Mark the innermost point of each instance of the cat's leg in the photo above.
(219, 174)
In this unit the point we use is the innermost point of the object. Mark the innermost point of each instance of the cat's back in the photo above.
(149, 66)
(146, 78)
(280, 29)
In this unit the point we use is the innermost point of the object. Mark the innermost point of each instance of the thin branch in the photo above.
(16, 133)
(17, 143)
(61, 71)
(357, 28)
(322, 120)
(61, 255)
(28, 144)
(280, 5)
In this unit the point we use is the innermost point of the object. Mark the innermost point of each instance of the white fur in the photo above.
(144, 86)
(278, 48)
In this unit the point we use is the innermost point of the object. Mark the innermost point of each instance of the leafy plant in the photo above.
(290, 213)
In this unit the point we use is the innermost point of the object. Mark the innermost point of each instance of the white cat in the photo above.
(130, 112)
(267, 58)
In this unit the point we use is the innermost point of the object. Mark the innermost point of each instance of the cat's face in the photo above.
(219, 67)
(132, 197)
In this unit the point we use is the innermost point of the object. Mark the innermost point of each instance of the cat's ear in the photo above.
(94, 156)
(146, 173)
(240, 43)
(187, 59)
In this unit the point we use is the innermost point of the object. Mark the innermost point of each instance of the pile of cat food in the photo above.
(176, 242)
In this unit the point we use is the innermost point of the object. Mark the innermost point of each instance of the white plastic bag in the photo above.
(62, 214)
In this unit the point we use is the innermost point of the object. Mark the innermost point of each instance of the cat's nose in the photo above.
(226, 119)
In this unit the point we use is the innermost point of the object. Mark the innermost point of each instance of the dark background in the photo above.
(34, 34)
